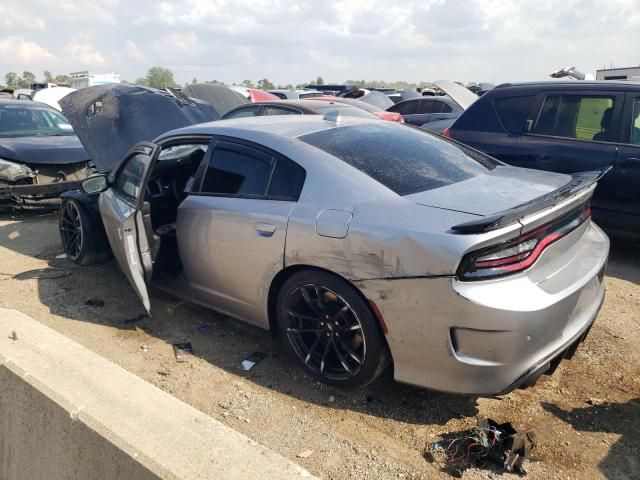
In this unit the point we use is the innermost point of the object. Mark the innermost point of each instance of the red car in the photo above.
(389, 116)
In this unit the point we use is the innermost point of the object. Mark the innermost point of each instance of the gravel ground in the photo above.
(586, 416)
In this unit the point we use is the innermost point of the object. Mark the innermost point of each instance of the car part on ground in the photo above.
(40, 156)
(369, 211)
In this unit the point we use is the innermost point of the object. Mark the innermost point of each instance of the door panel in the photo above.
(626, 202)
(121, 212)
(231, 249)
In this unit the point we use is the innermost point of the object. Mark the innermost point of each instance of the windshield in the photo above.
(346, 110)
(30, 120)
(404, 159)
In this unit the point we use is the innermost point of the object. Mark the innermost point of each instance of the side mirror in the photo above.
(95, 184)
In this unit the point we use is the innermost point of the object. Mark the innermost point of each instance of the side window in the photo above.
(242, 112)
(129, 180)
(635, 122)
(287, 180)
(445, 108)
(428, 106)
(237, 170)
(404, 108)
(575, 116)
(279, 111)
(513, 111)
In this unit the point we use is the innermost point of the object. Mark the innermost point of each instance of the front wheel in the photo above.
(330, 330)
(82, 237)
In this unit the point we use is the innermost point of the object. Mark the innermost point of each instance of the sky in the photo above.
(294, 41)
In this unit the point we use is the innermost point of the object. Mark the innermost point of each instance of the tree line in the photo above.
(160, 77)
(14, 80)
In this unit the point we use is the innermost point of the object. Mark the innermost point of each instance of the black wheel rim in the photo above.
(325, 332)
(71, 230)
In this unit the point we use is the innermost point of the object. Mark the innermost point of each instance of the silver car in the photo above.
(362, 243)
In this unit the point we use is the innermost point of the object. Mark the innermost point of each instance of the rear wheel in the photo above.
(82, 238)
(328, 327)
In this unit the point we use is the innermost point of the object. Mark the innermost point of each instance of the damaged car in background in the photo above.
(40, 156)
(401, 247)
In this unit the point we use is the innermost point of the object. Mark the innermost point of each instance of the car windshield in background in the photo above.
(405, 160)
(343, 109)
(28, 121)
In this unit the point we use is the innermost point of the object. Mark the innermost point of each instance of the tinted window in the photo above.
(513, 111)
(241, 171)
(130, 177)
(405, 160)
(242, 112)
(404, 108)
(279, 111)
(575, 116)
(287, 179)
(428, 106)
(635, 122)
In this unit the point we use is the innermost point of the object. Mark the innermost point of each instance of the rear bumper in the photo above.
(487, 338)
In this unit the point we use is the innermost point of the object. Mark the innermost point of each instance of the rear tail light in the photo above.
(446, 133)
(519, 254)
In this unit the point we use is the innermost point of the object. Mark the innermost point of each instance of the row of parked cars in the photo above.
(360, 242)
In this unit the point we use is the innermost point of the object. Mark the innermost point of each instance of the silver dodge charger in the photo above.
(363, 243)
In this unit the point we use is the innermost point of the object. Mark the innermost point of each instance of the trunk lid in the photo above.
(110, 119)
(508, 195)
(459, 94)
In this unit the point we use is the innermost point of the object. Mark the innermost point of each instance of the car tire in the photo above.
(328, 327)
(83, 238)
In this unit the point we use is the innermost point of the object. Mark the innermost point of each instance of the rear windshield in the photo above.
(323, 108)
(404, 159)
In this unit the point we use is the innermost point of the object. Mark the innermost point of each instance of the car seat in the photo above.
(605, 125)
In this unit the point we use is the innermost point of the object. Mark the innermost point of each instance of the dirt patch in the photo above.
(586, 416)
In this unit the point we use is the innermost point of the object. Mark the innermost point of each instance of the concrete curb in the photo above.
(66, 412)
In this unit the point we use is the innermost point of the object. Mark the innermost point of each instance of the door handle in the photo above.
(265, 229)
(632, 160)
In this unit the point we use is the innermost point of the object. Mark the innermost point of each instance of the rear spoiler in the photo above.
(579, 182)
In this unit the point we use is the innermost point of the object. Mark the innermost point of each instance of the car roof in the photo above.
(288, 126)
(24, 103)
(571, 85)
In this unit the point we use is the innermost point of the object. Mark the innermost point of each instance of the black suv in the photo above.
(566, 127)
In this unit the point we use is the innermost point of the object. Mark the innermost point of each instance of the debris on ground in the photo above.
(14, 335)
(62, 255)
(205, 327)
(144, 348)
(182, 350)
(490, 445)
(171, 307)
(250, 362)
(95, 302)
(305, 454)
(135, 319)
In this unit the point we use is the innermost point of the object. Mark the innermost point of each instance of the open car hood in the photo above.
(377, 99)
(459, 94)
(222, 98)
(110, 119)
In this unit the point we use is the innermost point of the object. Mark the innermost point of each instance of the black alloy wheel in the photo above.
(71, 230)
(329, 328)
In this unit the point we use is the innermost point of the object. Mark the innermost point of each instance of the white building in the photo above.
(629, 73)
(88, 79)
